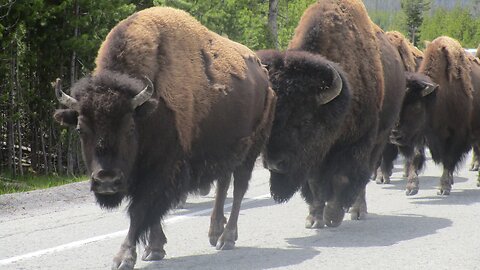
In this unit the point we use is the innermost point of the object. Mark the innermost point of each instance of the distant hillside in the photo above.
(393, 5)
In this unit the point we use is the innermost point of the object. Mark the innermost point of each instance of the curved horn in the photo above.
(144, 95)
(63, 98)
(429, 88)
(333, 91)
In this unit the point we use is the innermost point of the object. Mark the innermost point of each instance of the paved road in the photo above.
(425, 231)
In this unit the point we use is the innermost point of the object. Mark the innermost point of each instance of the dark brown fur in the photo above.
(413, 149)
(326, 150)
(449, 139)
(209, 116)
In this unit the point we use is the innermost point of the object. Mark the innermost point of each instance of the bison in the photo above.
(169, 108)
(434, 111)
(394, 85)
(326, 118)
(411, 148)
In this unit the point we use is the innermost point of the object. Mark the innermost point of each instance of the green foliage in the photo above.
(458, 23)
(33, 182)
(414, 11)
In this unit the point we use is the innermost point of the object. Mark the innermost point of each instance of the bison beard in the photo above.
(284, 186)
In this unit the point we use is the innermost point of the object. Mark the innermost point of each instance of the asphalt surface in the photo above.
(63, 228)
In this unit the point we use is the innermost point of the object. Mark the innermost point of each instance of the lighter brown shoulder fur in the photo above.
(445, 55)
(191, 66)
(341, 31)
(407, 51)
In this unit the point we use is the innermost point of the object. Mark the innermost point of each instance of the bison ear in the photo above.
(146, 108)
(428, 88)
(314, 73)
(66, 117)
(271, 59)
(420, 84)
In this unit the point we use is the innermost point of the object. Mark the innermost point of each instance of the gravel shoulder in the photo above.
(44, 201)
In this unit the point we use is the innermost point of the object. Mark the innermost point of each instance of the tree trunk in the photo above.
(11, 110)
(272, 22)
(20, 150)
(70, 161)
(44, 151)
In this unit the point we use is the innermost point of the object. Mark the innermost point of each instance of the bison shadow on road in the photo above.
(456, 197)
(200, 206)
(240, 258)
(376, 231)
(427, 183)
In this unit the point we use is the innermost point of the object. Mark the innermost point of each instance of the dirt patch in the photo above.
(43, 201)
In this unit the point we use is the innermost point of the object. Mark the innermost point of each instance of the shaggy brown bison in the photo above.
(437, 113)
(411, 148)
(170, 107)
(394, 85)
(326, 118)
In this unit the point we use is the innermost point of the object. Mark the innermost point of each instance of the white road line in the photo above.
(84, 242)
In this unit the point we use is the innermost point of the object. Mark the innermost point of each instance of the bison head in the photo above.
(313, 98)
(413, 116)
(106, 109)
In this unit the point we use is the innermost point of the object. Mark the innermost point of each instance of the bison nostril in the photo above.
(95, 182)
(282, 165)
(117, 182)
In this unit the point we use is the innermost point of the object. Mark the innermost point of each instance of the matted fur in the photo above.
(162, 43)
(444, 61)
(478, 51)
(407, 51)
(338, 26)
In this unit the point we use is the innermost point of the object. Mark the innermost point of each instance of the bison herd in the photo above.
(172, 107)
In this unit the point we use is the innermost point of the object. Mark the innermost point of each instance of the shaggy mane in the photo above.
(445, 59)
(324, 28)
(407, 51)
(164, 43)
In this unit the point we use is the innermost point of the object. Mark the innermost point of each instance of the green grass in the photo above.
(33, 182)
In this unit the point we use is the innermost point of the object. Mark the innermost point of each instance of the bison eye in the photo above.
(79, 131)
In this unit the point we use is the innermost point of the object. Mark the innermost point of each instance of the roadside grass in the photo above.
(30, 182)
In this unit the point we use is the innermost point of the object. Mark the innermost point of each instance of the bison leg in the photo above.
(183, 201)
(475, 156)
(127, 256)
(218, 220)
(446, 182)
(314, 219)
(334, 212)
(241, 176)
(359, 208)
(478, 179)
(156, 240)
(388, 156)
(412, 180)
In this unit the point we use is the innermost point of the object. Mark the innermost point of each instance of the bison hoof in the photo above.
(333, 215)
(314, 223)
(227, 240)
(126, 264)
(474, 167)
(183, 201)
(125, 259)
(153, 255)
(227, 245)
(204, 190)
(443, 192)
(411, 192)
(386, 180)
(357, 214)
(216, 230)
